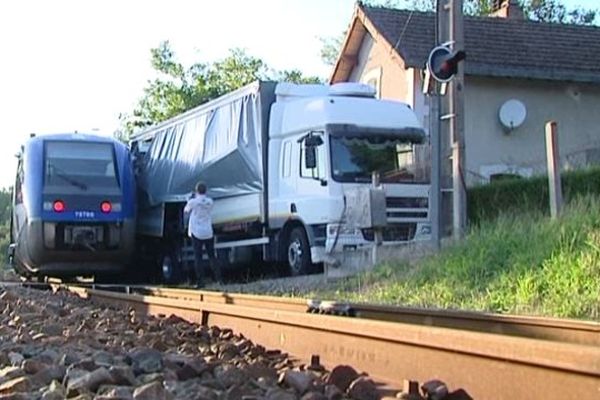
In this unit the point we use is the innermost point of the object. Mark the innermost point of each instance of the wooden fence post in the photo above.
(553, 160)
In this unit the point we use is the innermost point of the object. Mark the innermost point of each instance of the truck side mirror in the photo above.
(311, 142)
(310, 157)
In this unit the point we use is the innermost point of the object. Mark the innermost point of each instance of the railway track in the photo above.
(561, 330)
(489, 356)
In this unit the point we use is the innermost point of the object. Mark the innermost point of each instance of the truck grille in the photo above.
(393, 233)
(408, 208)
(407, 202)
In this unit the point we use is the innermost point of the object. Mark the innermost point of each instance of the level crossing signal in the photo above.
(442, 63)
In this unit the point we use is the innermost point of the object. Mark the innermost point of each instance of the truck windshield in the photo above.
(81, 165)
(353, 159)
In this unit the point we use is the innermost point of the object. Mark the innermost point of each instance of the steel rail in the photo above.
(486, 365)
(560, 330)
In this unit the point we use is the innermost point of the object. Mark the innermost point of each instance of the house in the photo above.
(530, 72)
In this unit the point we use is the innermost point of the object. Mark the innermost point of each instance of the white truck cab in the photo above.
(325, 141)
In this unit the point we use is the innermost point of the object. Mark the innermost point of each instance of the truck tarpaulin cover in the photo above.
(218, 143)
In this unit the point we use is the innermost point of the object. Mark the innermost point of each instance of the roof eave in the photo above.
(345, 61)
(558, 75)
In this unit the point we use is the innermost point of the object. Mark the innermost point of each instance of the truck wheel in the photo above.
(298, 253)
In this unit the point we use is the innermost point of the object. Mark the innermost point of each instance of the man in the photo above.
(201, 232)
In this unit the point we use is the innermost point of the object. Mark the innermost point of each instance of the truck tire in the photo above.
(298, 253)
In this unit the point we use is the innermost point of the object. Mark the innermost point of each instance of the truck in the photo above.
(290, 168)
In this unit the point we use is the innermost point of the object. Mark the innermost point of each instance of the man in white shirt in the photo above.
(201, 232)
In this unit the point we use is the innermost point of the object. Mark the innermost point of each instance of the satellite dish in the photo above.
(512, 114)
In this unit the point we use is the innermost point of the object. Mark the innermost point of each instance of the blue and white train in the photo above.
(73, 207)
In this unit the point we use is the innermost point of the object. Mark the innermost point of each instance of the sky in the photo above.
(76, 65)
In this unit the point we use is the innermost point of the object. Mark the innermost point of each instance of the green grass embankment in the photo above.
(523, 263)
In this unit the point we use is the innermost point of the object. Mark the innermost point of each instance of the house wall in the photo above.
(490, 149)
(375, 60)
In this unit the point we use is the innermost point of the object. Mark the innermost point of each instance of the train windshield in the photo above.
(81, 165)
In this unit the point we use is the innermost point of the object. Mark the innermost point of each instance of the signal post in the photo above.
(444, 83)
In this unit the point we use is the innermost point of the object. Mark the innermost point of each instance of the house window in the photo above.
(504, 177)
(494, 173)
(373, 79)
(405, 155)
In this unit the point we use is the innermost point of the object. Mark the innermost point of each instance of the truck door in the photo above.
(312, 182)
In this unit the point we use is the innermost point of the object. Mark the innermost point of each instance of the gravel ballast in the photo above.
(55, 346)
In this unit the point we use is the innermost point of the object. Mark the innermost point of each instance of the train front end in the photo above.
(79, 207)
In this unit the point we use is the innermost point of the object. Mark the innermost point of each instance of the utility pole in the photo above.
(442, 152)
(449, 28)
(457, 126)
(436, 170)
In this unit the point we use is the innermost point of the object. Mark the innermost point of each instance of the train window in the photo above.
(80, 164)
(19, 183)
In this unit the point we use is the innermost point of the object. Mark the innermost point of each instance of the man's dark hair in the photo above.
(201, 188)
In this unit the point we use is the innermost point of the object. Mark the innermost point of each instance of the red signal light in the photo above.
(443, 63)
(58, 206)
(105, 207)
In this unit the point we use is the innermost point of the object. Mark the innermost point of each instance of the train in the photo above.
(74, 205)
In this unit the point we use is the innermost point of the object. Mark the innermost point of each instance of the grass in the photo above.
(519, 263)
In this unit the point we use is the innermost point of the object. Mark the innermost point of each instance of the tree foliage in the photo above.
(5, 211)
(179, 88)
(330, 48)
(555, 11)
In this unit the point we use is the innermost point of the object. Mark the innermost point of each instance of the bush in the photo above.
(5, 211)
(486, 202)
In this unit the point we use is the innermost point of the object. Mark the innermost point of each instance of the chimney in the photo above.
(510, 9)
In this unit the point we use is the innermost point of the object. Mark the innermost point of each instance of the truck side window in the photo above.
(286, 160)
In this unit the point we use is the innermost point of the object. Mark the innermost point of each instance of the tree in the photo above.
(296, 76)
(330, 48)
(235, 71)
(5, 213)
(178, 89)
(555, 11)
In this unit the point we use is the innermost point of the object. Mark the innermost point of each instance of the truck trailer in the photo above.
(290, 169)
